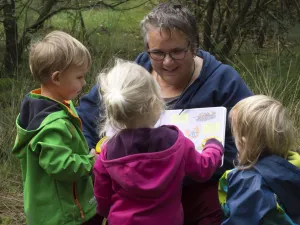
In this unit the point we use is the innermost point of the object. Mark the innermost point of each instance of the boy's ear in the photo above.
(55, 78)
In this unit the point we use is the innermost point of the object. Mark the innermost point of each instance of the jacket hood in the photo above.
(210, 65)
(35, 108)
(286, 177)
(149, 174)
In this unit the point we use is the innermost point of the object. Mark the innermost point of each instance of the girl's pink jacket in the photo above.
(145, 188)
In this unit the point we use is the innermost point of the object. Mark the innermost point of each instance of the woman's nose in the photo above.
(168, 59)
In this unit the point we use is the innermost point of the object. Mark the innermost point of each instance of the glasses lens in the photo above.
(157, 55)
(178, 54)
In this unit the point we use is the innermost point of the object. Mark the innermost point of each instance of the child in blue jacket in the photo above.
(264, 186)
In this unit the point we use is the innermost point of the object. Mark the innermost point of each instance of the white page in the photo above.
(197, 124)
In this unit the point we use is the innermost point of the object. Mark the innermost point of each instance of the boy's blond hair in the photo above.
(57, 52)
(130, 95)
(260, 124)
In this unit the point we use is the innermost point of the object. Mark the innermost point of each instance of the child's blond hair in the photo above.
(260, 124)
(57, 52)
(130, 95)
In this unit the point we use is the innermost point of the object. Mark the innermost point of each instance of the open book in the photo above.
(197, 124)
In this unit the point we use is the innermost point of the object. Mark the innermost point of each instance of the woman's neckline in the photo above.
(198, 63)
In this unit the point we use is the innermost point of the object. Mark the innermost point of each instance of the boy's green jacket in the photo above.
(55, 161)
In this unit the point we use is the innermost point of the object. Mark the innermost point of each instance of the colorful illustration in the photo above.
(211, 128)
(204, 116)
(197, 124)
(193, 133)
(199, 148)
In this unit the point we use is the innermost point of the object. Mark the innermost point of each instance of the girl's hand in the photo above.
(94, 153)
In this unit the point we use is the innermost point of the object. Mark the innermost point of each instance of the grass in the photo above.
(11, 197)
(275, 74)
(117, 34)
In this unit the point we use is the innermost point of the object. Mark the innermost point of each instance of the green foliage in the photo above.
(112, 34)
(275, 74)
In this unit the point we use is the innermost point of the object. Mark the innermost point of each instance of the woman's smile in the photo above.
(171, 70)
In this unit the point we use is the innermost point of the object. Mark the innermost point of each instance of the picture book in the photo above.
(198, 124)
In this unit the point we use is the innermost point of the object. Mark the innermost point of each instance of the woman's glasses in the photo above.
(176, 54)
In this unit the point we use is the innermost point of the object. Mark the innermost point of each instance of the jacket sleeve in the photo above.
(249, 201)
(222, 192)
(89, 112)
(57, 157)
(201, 166)
(231, 89)
(102, 186)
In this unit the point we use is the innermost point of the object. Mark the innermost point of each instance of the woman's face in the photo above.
(171, 70)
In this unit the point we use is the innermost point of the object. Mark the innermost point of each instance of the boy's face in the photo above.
(71, 82)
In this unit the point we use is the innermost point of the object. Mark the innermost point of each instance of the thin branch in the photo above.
(134, 7)
(2, 6)
(49, 15)
(242, 41)
(275, 18)
(231, 32)
(117, 4)
(26, 5)
(222, 24)
(208, 24)
(40, 21)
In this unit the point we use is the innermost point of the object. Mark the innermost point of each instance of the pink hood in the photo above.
(146, 187)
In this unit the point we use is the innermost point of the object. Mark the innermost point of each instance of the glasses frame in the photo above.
(169, 53)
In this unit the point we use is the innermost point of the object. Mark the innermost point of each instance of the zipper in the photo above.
(77, 201)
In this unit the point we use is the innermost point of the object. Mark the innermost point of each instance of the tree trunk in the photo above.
(262, 34)
(25, 38)
(208, 25)
(11, 37)
(233, 30)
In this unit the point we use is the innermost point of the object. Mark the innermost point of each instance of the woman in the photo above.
(188, 78)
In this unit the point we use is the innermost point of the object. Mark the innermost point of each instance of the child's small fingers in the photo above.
(93, 151)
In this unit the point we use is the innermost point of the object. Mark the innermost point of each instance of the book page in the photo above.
(197, 124)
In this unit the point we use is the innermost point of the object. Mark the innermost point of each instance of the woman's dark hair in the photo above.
(171, 16)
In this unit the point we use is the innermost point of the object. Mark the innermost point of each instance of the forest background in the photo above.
(259, 38)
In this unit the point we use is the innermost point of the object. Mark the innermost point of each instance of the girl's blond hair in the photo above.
(130, 96)
(260, 124)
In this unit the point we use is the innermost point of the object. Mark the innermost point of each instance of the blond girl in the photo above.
(264, 187)
(139, 173)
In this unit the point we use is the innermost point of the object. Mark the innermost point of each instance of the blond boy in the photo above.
(55, 160)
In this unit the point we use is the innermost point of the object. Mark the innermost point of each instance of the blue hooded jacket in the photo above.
(266, 194)
(218, 84)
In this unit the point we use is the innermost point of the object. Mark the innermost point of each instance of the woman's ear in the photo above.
(55, 78)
